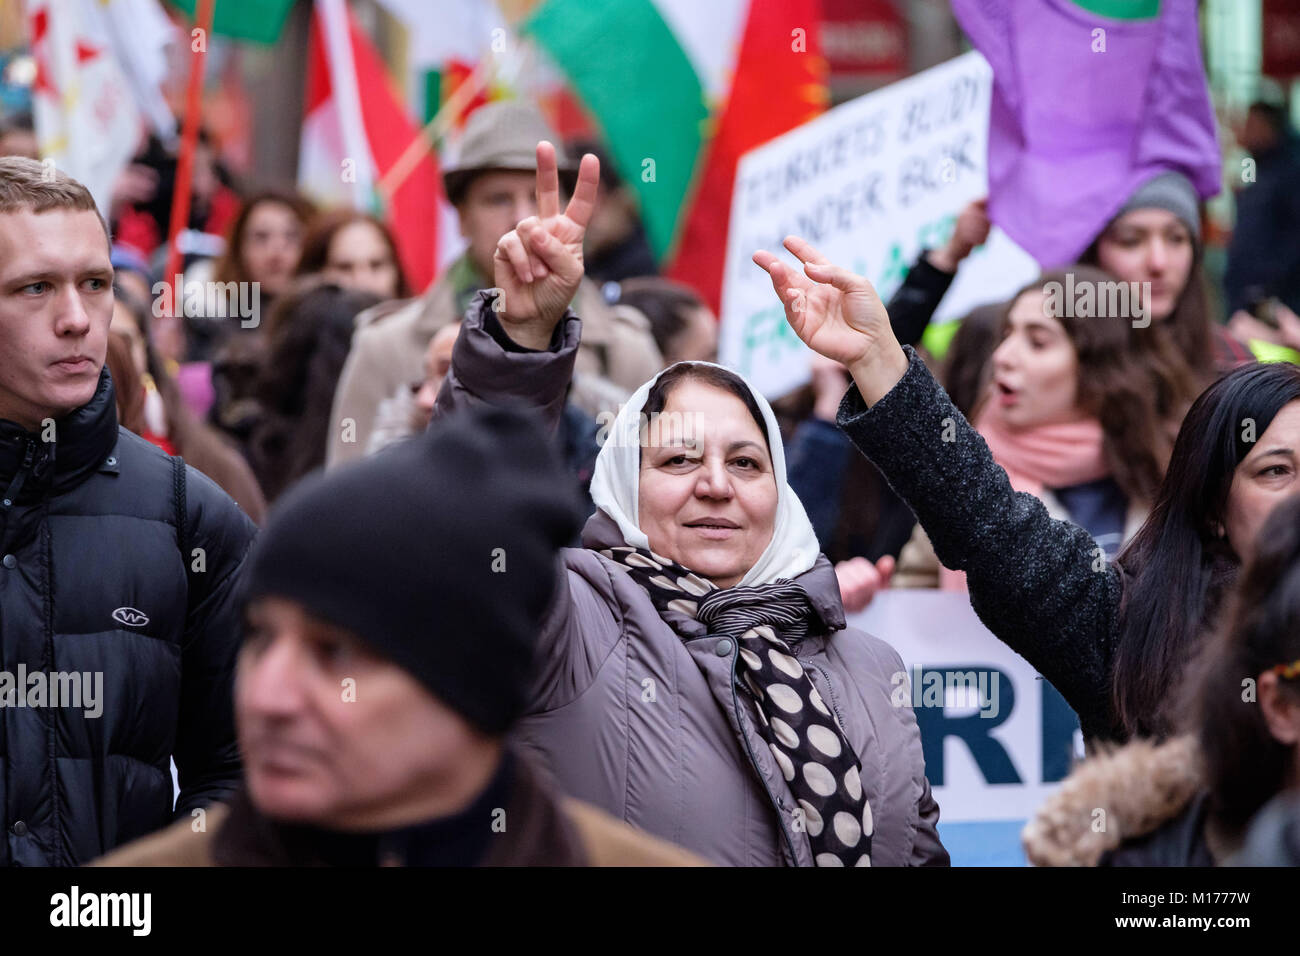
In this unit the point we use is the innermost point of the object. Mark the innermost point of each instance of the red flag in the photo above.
(354, 130)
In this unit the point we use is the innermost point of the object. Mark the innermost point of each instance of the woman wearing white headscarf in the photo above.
(694, 676)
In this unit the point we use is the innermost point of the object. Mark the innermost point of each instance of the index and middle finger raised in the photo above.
(583, 201)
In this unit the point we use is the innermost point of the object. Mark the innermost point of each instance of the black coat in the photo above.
(1180, 841)
(1033, 581)
(122, 565)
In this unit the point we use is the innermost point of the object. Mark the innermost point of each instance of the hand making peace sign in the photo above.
(538, 264)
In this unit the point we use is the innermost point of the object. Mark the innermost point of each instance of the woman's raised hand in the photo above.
(538, 264)
(837, 314)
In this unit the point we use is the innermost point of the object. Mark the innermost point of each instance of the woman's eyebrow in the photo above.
(736, 445)
(1275, 451)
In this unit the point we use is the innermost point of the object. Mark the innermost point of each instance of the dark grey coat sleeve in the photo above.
(914, 304)
(1036, 583)
(487, 368)
(928, 850)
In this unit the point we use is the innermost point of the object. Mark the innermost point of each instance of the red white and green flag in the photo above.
(446, 41)
(681, 89)
(355, 128)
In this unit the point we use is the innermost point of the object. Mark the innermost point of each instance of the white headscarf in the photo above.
(616, 484)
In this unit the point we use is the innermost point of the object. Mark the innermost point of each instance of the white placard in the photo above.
(870, 183)
(992, 728)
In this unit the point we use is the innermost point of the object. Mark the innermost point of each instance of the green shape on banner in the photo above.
(1269, 352)
(1121, 9)
(258, 21)
(937, 338)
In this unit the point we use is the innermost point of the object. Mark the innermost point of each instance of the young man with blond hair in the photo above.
(118, 563)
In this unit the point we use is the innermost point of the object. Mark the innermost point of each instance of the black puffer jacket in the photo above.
(119, 566)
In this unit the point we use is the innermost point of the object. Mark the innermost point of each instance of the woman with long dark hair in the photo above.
(1189, 801)
(1113, 638)
(1155, 239)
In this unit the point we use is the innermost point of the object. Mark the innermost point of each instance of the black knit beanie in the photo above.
(440, 553)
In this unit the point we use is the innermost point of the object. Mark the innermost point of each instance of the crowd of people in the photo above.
(508, 571)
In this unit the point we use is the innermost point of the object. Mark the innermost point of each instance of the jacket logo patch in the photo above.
(130, 617)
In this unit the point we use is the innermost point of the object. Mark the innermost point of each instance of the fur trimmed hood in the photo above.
(1115, 796)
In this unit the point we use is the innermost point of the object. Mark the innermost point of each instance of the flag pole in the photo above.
(203, 16)
(434, 129)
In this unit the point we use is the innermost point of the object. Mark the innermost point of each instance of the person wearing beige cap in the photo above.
(491, 183)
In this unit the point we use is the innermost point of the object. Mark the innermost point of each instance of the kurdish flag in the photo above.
(1091, 98)
(355, 129)
(681, 88)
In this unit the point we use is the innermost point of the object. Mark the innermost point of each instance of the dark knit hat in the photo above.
(440, 553)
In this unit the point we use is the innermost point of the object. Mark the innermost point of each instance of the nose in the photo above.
(428, 394)
(1157, 256)
(72, 319)
(271, 684)
(1004, 356)
(712, 480)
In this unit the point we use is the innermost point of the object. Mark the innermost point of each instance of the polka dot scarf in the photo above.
(806, 739)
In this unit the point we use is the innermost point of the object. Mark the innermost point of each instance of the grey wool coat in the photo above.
(648, 726)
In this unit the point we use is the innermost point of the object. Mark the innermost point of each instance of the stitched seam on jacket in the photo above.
(58, 850)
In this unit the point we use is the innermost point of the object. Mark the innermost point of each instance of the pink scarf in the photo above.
(1048, 456)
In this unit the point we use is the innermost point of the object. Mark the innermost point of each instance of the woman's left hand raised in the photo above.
(538, 264)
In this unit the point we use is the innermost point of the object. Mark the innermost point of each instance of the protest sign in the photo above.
(870, 183)
(997, 737)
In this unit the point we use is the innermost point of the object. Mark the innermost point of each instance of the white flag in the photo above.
(86, 118)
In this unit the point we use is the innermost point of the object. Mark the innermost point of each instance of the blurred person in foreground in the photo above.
(119, 563)
(492, 187)
(387, 655)
(1190, 800)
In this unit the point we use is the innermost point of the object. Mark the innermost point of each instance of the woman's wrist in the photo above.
(879, 372)
(535, 334)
